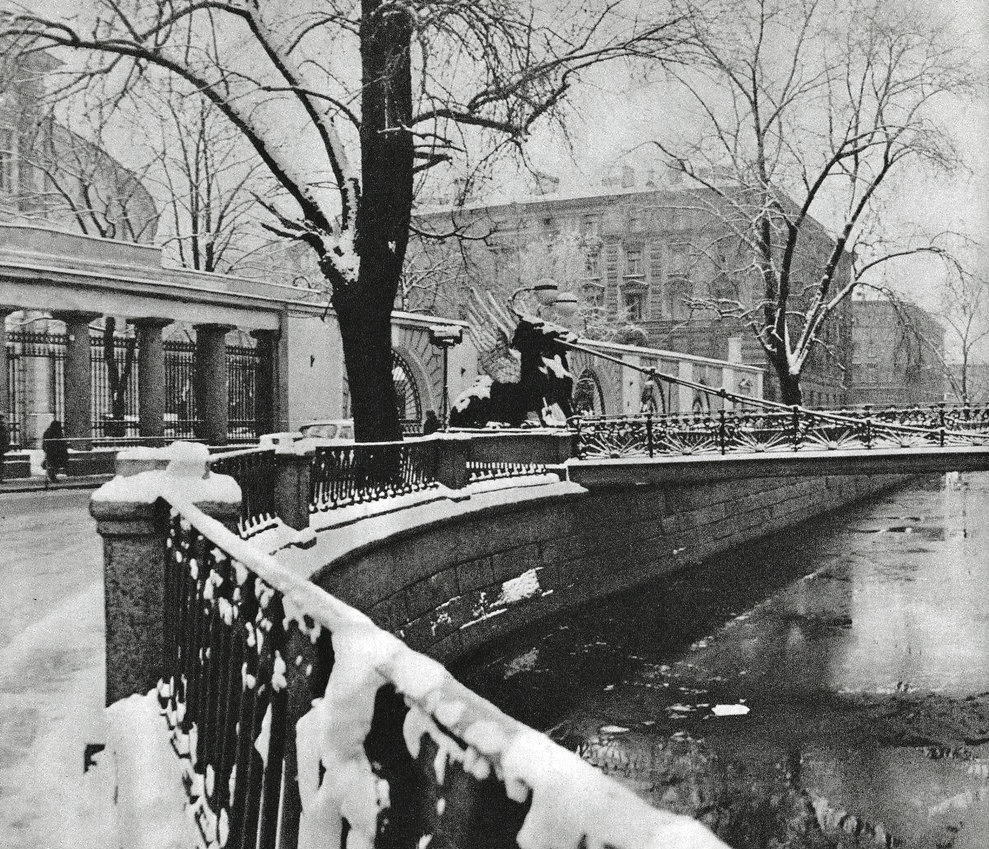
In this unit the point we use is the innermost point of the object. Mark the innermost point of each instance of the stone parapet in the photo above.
(451, 583)
(131, 517)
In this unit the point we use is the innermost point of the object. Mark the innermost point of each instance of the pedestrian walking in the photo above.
(431, 423)
(4, 443)
(56, 451)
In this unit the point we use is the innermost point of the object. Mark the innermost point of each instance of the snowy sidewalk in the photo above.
(51, 676)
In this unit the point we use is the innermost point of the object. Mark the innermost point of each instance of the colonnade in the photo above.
(209, 381)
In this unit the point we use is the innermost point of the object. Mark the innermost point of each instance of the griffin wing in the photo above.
(491, 331)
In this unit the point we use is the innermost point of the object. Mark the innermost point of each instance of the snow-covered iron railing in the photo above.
(223, 689)
(302, 723)
(481, 470)
(353, 474)
(254, 470)
(792, 429)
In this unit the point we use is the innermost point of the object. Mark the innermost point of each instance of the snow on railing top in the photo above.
(187, 472)
(572, 804)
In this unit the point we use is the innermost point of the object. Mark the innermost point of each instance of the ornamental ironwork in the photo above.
(780, 429)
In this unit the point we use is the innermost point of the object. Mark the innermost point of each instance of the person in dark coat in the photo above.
(431, 423)
(4, 442)
(56, 451)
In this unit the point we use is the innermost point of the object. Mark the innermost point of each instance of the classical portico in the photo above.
(291, 337)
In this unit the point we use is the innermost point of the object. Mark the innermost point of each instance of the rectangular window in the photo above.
(611, 263)
(592, 264)
(633, 262)
(590, 226)
(8, 165)
(593, 295)
(634, 303)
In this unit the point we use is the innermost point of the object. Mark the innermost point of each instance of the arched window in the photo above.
(406, 391)
(588, 398)
(407, 397)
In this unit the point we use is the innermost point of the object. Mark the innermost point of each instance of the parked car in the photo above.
(341, 430)
(334, 431)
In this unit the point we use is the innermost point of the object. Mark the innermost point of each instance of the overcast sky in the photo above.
(610, 122)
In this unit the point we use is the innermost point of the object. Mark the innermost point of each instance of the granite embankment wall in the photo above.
(453, 583)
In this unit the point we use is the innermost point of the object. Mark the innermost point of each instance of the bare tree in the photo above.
(809, 109)
(963, 308)
(68, 176)
(206, 176)
(345, 146)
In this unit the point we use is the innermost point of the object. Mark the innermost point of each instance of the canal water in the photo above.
(826, 687)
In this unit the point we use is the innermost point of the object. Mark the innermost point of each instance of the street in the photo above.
(51, 656)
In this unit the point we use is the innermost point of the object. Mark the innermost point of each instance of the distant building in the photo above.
(653, 257)
(52, 176)
(970, 380)
(898, 355)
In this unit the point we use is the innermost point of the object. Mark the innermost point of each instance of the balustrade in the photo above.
(299, 723)
(775, 428)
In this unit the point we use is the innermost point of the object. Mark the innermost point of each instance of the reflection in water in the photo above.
(828, 687)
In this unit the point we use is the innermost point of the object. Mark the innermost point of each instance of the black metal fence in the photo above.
(256, 721)
(223, 691)
(180, 394)
(254, 471)
(793, 429)
(242, 383)
(354, 474)
(113, 403)
(36, 365)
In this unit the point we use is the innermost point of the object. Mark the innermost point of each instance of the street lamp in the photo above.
(444, 337)
(548, 294)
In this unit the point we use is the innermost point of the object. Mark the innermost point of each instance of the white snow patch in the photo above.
(518, 589)
(264, 737)
(522, 663)
(278, 680)
(613, 729)
(150, 796)
(481, 388)
(332, 733)
(729, 710)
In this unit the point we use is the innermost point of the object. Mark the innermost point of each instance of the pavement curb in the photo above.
(37, 484)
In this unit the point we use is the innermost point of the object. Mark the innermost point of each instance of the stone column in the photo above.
(631, 385)
(685, 394)
(151, 375)
(78, 425)
(266, 387)
(134, 527)
(4, 368)
(212, 402)
(292, 483)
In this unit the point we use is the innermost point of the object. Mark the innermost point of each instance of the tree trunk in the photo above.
(790, 391)
(365, 329)
(383, 217)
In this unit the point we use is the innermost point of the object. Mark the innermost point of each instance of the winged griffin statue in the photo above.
(525, 377)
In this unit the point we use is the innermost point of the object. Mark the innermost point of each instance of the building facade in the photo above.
(898, 355)
(654, 265)
(53, 176)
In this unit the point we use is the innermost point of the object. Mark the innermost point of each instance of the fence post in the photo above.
(795, 417)
(293, 472)
(452, 455)
(132, 519)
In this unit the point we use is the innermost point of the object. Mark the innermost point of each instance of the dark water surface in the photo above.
(828, 687)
